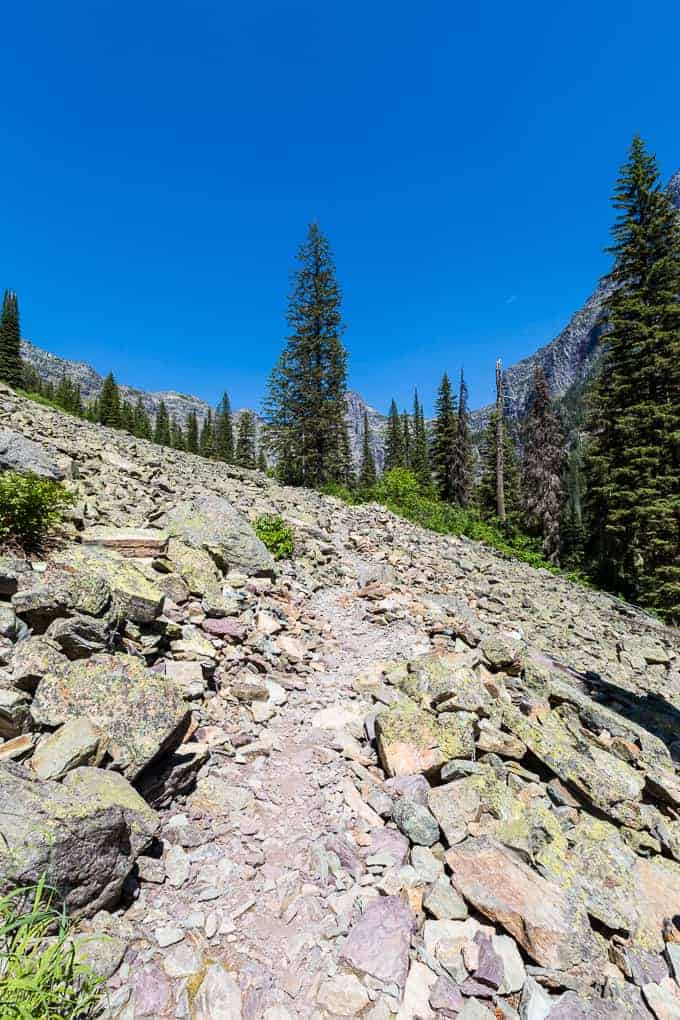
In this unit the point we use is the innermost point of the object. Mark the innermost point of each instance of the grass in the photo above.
(40, 977)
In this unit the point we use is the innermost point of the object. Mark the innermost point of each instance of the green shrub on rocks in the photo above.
(276, 535)
(30, 507)
(41, 977)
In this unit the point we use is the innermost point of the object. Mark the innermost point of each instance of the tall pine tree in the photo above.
(192, 432)
(206, 443)
(224, 431)
(246, 453)
(633, 456)
(420, 457)
(486, 490)
(462, 467)
(367, 473)
(161, 432)
(10, 341)
(444, 432)
(542, 469)
(306, 401)
(394, 440)
(109, 403)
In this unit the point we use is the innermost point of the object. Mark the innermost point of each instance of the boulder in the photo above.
(81, 843)
(60, 593)
(127, 541)
(549, 924)
(412, 740)
(378, 944)
(33, 658)
(14, 711)
(110, 789)
(17, 453)
(211, 523)
(196, 568)
(80, 636)
(141, 713)
(135, 597)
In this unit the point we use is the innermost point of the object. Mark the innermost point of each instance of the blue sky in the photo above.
(160, 163)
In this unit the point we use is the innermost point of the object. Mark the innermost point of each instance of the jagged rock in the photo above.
(378, 943)
(127, 541)
(80, 636)
(82, 844)
(17, 453)
(663, 1001)
(412, 740)
(107, 788)
(14, 711)
(548, 924)
(503, 654)
(141, 713)
(32, 659)
(75, 743)
(211, 523)
(8, 622)
(13, 571)
(189, 677)
(218, 996)
(63, 591)
(173, 775)
(135, 597)
(342, 995)
(415, 821)
(444, 903)
(196, 568)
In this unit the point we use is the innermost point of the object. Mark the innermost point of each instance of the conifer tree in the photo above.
(261, 459)
(367, 472)
(141, 423)
(420, 457)
(406, 440)
(109, 403)
(633, 456)
(246, 455)
(462, 467)
(192, 432)
(206, 443)
(487, 488)
(306, 401)
(394, 440)
(127, 417)
(30, 379)
(161, 432)
(177, 440)
(444, 434)
(542, 469)
(10, 341)
(224, 431)
(572, 531)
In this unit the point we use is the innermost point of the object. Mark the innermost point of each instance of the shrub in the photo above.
(398, 486)
(40, 977)
(30, 507)
(276, 535)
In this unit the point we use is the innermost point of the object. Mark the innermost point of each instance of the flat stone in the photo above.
(663, 1001)
(551, 926)
(514, 974)
(102, 953)
(378, 944)
(226, 628)
(183, 961)
(177, 866)
(127, 541)
(168, 936)
(536, 1004)
(419, 985)
(75, 743)
(17, 453)
(18, 747)
(446, 996)
(342, 995)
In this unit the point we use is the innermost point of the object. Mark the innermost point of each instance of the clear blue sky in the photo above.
(160, 163)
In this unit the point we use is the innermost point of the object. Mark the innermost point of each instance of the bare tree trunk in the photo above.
(500, 487)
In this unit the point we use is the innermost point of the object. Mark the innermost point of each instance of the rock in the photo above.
(139, 711)
(416, 788)
(33, 658)
(12, 571)
(514, 974)
(83, 845)
(415, 821)
(17, 453)
(197, 570)
(127, 541)
(212, 524)
(102, 953)
(135, 597)
(411, 740)
(226, 628)
(444, 903)
(79, 636)
(663, 1002)
(428, 867)
(503, 654)
(62, 592)
(446, 997)
(536, 1004)
(378, 944)
(218, 996)
(14, 712)
(110, 789)
(570, 1007)
(17, 747)
(551, 926)
(342, 995)
(183, 961)
(177, 866)
(8, 622)
(419, 986)
(188, 676)
(73, 744)
(473, 1010)
(174, 774)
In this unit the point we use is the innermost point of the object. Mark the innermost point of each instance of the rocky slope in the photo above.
(395, 776)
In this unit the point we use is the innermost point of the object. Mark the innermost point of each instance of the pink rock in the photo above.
(224, 628)
(379, 943)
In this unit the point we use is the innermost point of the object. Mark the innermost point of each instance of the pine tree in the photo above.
(633, 456)
(224, 431)
(161, 432)
(444, 433)
(177, 440)
(141, 423)
(394, 440)
(462, 466)
(542, 469)
(206, 443)
(572, 531)
(306, 401)
(109, 403)
(261, 459)
(487, 488)
(192, 432)
(30, 379)
(420, 457)
(10, 341)
(406, 440)
(367, 473)
(245, 442)
(127, 417)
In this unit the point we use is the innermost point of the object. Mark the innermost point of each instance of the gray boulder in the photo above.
(211, 523)
(17, 453)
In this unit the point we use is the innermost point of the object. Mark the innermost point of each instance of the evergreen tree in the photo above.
(406, 440)
(192, 432)
(261, 459)
(109, 403)
(161, 432)
(444, 435)
(542, 469)
(462, 466)
(633, 457)
(10, 341)
(394, 440)
(30, 379)
(572, 531)
(141, 424)
(127, 417)
(245, 442)
(306, 401)
(420, 457)
(177, 440)
(206, 443)
(224, 431)
(486, 490)
(367, 473)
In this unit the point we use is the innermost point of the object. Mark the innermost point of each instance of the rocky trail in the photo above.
(395, 776)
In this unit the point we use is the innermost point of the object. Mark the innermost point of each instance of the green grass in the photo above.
(40, 977)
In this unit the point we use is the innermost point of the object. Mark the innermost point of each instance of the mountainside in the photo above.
(397, 775)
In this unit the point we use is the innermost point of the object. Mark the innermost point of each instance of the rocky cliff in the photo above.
(396, 775)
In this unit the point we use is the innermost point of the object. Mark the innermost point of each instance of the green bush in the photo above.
(276, 535)
(398, 486)
(30, 507)
(40, 977)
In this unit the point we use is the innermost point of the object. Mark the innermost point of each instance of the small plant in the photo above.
(29, 507)
(276, 535)
(40, 976)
